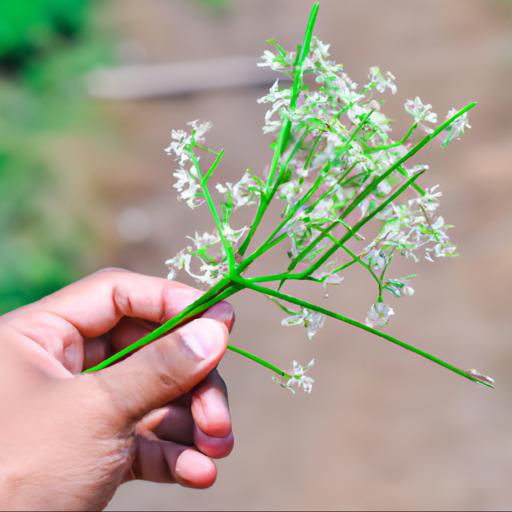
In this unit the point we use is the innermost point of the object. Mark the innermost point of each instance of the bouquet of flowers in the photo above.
(336, 175)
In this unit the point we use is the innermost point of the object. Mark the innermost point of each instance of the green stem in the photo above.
(219, 292)
(214, 165)
(395, 144)
(228, 248)
(356, 258)
(204, 148)
(271, 240)
(260, 361)
(284, 134)
(313, 307)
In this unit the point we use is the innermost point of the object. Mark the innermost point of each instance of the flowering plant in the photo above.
(335, 169)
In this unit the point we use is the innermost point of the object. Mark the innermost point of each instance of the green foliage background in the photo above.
(45, 48)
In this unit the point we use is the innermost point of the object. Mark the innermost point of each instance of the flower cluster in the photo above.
(336, 174)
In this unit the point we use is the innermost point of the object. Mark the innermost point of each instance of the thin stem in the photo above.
(395, 144)
(285, 131)
(204, 148)
(345, 266)
(260, 361)
(307, 163)
(285, 276)
(214, 165)
(357, 259)
(228, 248)
(271, 240)
(313, 307)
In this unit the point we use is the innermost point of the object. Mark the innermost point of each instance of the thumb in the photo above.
(165, 369)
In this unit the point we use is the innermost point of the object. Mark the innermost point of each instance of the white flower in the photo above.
(324, 210)
(233, 235)
(272, 61)
(204, 240)
(244, 192)
(280, 99)
(298, 378)
(199, 129)
(212, 273)
(429, 201)
(420, 112)
(457, 128)
(180, 262)
(382, 81)
(311, 320)
(188, 188)
(380, 121)
(376, 258)
(180, 139)
(379, 314)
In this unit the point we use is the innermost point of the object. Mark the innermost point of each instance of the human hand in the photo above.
(70, 439)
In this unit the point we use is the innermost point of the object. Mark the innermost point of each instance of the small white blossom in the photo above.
(233, 235)
(311, 320)
(204, 240)
(421, 112)
(382, 81)
(273, 61)
(180, 262)
(244, 192)
(211, 273)
(199, 129)
(379, 314)
(188, 188)
(298, 378)
(280, 99)
(376, 258)
(429, 201)
(180, 140)
(457, 128)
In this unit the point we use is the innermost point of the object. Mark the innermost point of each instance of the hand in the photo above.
(69, 439)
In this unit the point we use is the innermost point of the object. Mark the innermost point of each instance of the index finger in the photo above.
(92, 306)
(95, 304)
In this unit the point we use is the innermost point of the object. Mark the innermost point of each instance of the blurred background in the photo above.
(89, 92)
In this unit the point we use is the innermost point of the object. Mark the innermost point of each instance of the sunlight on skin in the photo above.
(161, 414)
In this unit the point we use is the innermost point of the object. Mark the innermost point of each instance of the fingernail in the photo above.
(203, 337)
(222, 312)
(71, 357)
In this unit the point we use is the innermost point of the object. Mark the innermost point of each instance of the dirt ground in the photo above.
(382, 429)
